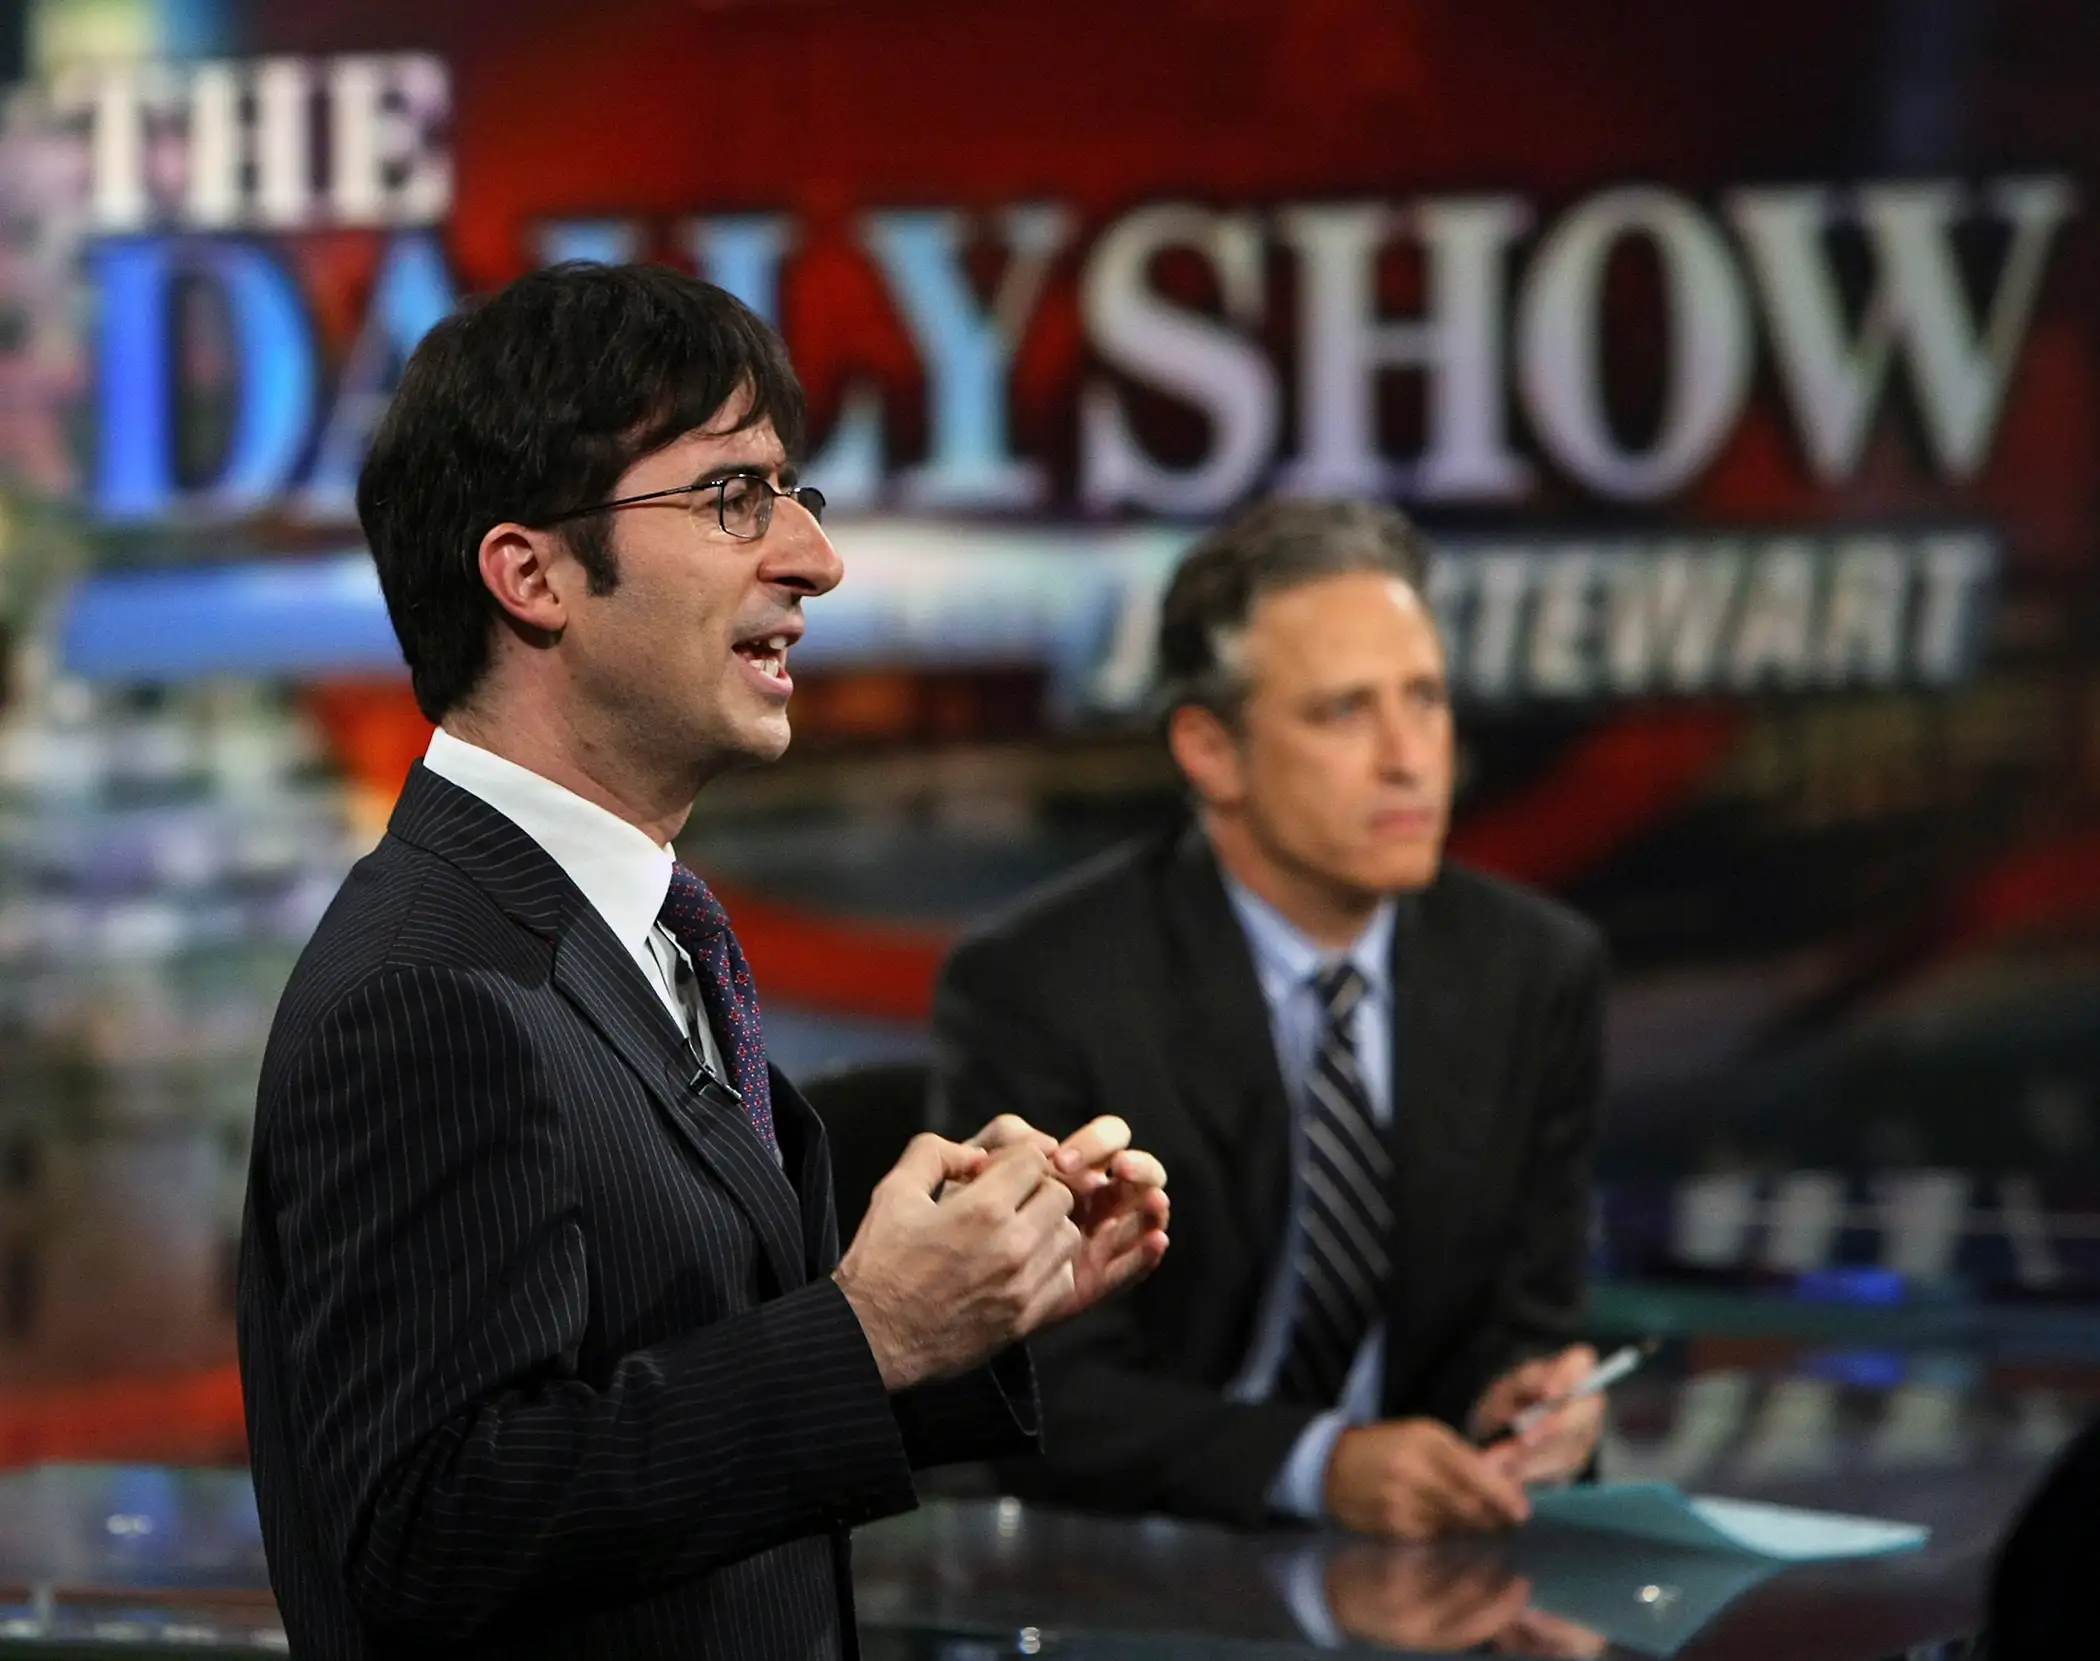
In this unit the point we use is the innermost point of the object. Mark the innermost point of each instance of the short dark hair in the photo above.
(1269, 547)
(532, 402)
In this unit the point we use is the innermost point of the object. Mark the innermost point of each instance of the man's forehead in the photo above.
(1355, 601)
(719, 440)
(1380, 624)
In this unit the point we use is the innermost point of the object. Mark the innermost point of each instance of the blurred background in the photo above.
(1740, 361)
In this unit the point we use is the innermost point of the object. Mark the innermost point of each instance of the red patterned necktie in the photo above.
(696, 920)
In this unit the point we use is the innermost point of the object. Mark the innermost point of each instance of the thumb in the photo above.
(1567, 1369)
(931, 1160)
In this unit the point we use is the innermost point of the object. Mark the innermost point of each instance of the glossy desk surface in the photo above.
(1924, 1452)
(140, 1556)
(1929, 1449)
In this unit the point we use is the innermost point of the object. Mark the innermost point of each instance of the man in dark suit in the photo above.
(547, 1344)
(1375, 1075)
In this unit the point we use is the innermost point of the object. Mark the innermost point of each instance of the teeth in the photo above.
(779, 643)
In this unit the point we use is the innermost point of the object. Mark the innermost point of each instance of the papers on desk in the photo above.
(1663, 1515)
(1648, 1566)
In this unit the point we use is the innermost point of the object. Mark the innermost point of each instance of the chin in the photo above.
(768, 741)
(1397, 871)
(751, 742)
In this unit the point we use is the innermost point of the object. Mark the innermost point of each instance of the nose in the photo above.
(797, 555)
(1407, 742)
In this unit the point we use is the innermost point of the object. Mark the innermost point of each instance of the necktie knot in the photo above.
(1341, 987)
(690, 912)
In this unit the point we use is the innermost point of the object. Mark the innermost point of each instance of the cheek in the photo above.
(1317, 787)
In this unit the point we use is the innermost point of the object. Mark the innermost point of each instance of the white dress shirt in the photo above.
(623, 874)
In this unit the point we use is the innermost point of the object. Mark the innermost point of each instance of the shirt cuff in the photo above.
(1300, 1488)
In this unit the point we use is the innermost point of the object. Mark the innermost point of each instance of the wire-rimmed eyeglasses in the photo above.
(743, 503)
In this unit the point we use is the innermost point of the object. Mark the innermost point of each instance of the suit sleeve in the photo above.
(991, 1412)
(1540, 1298)
(1120, 1431)
(424, 1220)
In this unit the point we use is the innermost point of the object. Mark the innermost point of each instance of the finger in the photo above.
(1562, 1445)
(1010, 1128)
(1509, 1395)
(1050, 1208)
(1053, 1259)
(1480, 1488)
(1138, 1168)
(1119, 1200)
(1576, 1421)
(1109, 1232)
(1534, 1381)
(1570, 1368)
(1093, 1145)
(1137, 1261)
(1050, 1299)
(1008, 1178)
(1513, 1465)
(929, 1160)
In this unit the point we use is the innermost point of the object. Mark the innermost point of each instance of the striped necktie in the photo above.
(695, 919)
(1346, 1215)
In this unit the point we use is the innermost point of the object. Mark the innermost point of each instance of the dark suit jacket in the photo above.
(541, 1353)
(1130, 989)
(2045, 1587)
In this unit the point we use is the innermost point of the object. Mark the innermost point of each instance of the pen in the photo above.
(1599, 1378)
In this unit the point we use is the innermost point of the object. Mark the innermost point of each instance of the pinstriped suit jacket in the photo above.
(541, 1353)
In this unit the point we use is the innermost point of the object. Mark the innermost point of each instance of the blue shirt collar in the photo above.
(1285, 960)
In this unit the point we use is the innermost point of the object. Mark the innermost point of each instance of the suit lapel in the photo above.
(595, 973)
(1434, 1133)
(1223, 1049)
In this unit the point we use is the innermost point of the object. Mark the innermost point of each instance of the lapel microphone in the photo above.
(710, 1085)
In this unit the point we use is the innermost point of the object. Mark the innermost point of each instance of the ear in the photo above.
(1208, 754)
(516, 562)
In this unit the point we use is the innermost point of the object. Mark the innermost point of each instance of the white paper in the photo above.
(1660, 1513)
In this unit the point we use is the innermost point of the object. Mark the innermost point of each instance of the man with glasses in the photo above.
(547, 1342)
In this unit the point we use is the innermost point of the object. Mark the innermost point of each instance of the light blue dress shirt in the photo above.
(1286, 964)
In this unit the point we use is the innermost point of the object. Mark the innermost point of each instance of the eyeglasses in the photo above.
(743, 503)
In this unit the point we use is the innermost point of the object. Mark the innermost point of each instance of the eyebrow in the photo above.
(748, 470)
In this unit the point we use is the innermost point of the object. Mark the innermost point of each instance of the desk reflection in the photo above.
(1413, 1597)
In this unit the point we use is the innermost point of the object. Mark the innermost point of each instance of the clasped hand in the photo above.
(969, 1246)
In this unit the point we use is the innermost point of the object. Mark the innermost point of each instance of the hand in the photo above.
(1560, 1444)
(1410, 1597)
(1414, 1479)
(1120, 1201)
(940, 1285)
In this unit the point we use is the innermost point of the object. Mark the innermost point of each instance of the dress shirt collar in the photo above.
(1285, 960)
(621, 872)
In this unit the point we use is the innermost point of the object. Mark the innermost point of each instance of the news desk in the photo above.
(115, 1559)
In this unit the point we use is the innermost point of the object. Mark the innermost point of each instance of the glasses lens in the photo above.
(747, 506)
(812, 500)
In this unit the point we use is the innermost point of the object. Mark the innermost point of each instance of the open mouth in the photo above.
(767, 655)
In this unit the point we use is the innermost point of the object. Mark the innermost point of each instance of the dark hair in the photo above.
(1269, 547)
(532, 402)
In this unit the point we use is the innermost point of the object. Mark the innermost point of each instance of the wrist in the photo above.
(1332, 1478)
(891, 1356)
